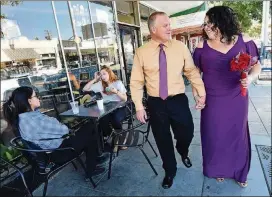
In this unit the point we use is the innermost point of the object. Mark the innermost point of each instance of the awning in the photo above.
(191, 30)
(21, 54)
(189, 20)
(4, 57)
(172, 7)
(199, 8)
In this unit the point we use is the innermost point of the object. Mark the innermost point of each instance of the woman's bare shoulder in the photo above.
(200, 44)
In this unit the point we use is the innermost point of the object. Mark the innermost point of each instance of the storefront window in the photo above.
(105, 34)
(83, 29)
(23, 30)
(29, 45)
(126, 12)
(78, 46)
(144, 11)
(66, 31)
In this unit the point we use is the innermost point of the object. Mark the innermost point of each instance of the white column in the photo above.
(267, 22)
(265, 18)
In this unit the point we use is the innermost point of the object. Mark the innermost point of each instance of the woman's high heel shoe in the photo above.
(243, 185)
(220, 180)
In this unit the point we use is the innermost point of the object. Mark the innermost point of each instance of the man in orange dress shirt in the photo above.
(159, 65)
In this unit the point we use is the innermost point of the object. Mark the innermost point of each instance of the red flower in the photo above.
(242, 62)
(244, 58)
(242, 65)
(233, 65)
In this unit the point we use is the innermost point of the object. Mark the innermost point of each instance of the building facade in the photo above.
(74, 33)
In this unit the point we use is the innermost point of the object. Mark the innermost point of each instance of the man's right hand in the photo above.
(141, 116)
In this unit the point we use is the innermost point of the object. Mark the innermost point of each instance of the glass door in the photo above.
(129, 42)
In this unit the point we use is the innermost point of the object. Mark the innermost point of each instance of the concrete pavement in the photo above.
(132, 176)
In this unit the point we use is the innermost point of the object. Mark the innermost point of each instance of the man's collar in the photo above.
(155, 43)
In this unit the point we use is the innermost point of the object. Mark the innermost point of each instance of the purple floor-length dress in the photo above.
(224, 128)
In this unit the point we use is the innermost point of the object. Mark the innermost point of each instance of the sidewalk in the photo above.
(132, 176)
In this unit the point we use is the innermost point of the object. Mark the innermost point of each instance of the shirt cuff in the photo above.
(139, 106)
(201, 92)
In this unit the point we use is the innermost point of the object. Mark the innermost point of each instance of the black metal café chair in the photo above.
(134, 137)
(39, 159)
(19, 170)
(60, 103)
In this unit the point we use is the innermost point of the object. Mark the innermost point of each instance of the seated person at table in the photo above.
(111, 89)
(74, 80)
(75, 83)
(21, 113)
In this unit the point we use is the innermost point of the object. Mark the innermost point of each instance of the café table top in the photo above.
(93, 112)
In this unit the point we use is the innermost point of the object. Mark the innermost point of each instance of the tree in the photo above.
(255, 31)
(11, 3)
(246, 11)
(2, 16)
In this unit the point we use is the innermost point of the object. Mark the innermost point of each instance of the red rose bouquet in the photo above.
(243, 62)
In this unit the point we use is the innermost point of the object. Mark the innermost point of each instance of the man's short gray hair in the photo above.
(152, 18)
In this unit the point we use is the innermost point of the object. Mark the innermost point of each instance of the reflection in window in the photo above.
(81, 20)
(144, 14)
(125, 12)
(105, 35)
(65, 27)
(83, 27)
(28, 42)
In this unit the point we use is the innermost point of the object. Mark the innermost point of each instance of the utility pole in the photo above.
(48, 35)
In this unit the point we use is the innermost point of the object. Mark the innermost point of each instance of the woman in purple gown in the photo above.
(224, 129)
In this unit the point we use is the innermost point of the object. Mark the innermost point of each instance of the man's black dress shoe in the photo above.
(167, 182)
(186, 161)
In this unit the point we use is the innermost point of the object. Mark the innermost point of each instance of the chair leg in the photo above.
(152, 147)
(33, 177)
(85, 170)
(23, 179)
(111, 155)
(148, 161)
(74, 165)
(117, 153)
(45, 187)
(110, 165)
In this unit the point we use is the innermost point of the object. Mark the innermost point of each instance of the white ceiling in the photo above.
(172, 7)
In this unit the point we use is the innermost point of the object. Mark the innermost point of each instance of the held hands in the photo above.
(200, 102)
(246, 81)
(141, 116)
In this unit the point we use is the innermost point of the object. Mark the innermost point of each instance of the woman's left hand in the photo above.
(114, 90)
(246, 81)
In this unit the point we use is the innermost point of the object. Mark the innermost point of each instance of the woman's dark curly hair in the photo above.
(226, 20)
